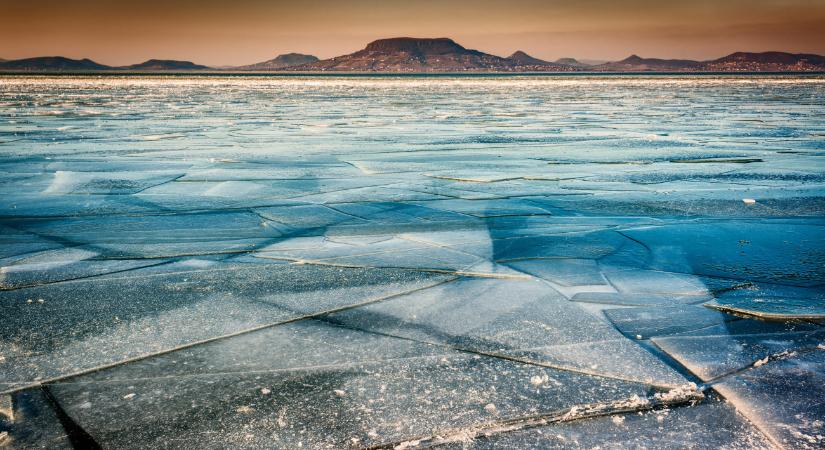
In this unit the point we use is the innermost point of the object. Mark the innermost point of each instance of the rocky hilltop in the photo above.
(527, 60)
(165, 64)
(281, 62)
(425, 55)
(571, 62)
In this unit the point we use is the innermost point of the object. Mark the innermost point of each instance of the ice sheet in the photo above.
(356, 261)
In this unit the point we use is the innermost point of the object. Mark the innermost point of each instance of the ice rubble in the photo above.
(379, 262)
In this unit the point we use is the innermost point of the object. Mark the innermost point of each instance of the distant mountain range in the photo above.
(51, 64)
(61, 64)
(442, 55)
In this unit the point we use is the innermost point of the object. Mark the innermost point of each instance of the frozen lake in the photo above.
(379, 262)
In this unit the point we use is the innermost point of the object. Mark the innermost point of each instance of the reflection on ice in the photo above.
(269, 262)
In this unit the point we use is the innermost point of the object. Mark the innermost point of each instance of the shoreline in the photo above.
(287, 74)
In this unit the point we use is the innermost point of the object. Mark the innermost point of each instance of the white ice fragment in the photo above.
(683, 392)
(490, 408)
(158, 137)
(129, 396)
(761, 362)
(749, 201)
(538, 380)
(340, 393)
(639, 336)
(265, 391)
(618, 420)
(407, 444)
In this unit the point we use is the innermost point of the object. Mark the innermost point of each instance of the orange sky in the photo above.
(214, 32)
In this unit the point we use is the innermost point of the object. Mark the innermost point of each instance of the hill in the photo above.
(281, 62)
(165, 64)
(635, 63)
(571, 62)
(524, 59)
(423, 55)
(52, 64)
(767, 62)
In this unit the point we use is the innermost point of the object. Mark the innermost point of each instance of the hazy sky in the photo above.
(236, 32)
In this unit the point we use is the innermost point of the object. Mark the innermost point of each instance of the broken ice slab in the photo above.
(189, 195)
(64, 264)
(644, 323)
(59, 329)
(271, 170)
(634, 299)
(714, 356)
(303, 217)
(638, 281)
(15, 243)
(710, 424)
(796, 309)
(117, 183)
(39, 205)
(368, 194)
(422, 258)
(479, 176)
(394, 212)
(31, 422)
(751, 326)
(618, 358)
(489, 208)
(441, 188)
(790, 203)
(566, 272)
(517, 318)
(160, 235)
(103, 164)
(573, 246)
(215, 195)
(783, 397)
(343, 406)
(516, 188)
(773, 302)
(785, 252)
(307, 344)
(524, 226)
(487, 314)
(369, 251)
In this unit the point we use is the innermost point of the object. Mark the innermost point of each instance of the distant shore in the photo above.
(292, 74)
